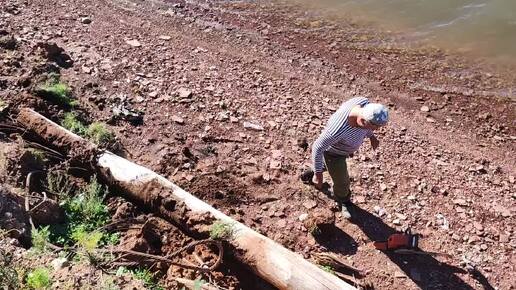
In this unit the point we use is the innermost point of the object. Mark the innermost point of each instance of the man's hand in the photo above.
(319, 180)
(374, 142)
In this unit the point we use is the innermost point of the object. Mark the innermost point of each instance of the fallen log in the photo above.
(282, 268)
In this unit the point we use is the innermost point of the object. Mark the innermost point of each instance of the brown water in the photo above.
(481, 27)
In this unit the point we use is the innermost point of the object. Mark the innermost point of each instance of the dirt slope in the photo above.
(201, 71)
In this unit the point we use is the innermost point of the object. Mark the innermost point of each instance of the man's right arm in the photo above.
(320, 145)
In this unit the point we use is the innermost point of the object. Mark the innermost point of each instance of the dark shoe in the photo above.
(307, 176)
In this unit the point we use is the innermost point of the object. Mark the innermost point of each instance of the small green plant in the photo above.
(328, 269)
(147, 278)
(87, 207)
(88, 241)
(40, 238)
(221, 230)
(99, 134)
(39, 278)
(111, 238)
(145, 275)
(59, 183)
(72, 123)
(58, 92)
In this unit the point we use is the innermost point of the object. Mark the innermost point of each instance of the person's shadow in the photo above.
(336, 240)
(424, 270)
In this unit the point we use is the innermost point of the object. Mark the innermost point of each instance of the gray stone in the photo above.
(85, 20)
(251, 126)
(133, 43)
(59, 263)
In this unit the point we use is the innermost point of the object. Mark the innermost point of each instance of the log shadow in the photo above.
(424, 270)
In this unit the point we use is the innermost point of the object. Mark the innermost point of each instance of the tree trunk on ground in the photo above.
(271, 261)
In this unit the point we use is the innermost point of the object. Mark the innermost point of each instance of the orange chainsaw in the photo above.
(404, 243)
(405, 240)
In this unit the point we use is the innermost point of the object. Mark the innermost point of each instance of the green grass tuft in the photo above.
(99, 134)
(72, 123)
(58, 92)
(39, 278)
(221, 230)
(87, 241)
(40, 238)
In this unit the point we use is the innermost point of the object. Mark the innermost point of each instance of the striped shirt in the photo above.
(338, 136)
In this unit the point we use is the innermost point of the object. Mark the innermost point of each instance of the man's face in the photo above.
(366, 125)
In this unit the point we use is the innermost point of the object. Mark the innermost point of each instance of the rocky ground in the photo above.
(234, 93)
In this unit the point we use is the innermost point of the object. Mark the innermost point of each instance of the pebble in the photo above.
(478, 226)
(59, 263)
(133, 43)
(460, 202)
(503, 238)
(86, 69)
(303, 217)
(184, 93)
(379, 211)
(401, 216)
(425, 109)
(252, 126)
(309, 204)
(178, 119)
(85, 20)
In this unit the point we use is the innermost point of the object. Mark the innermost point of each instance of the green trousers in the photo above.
(338, 170)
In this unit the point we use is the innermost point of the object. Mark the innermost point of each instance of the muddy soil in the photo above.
(229, 91)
